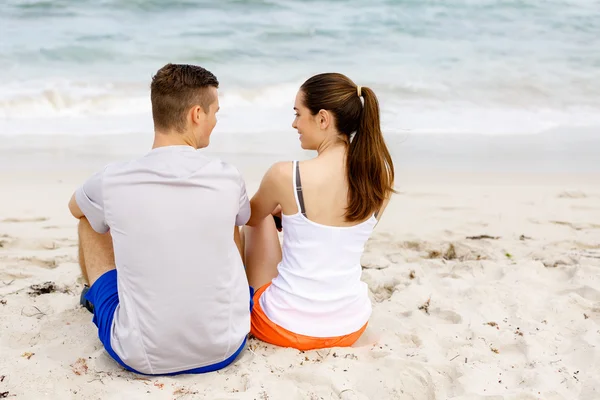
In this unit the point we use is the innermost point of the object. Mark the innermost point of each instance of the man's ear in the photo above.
(324, 119)
(197, 114)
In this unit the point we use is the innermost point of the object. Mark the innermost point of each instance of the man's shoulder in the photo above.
(226, 168)
(200, 163)
(117, 166)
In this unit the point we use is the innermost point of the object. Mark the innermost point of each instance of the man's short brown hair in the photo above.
(175, 89)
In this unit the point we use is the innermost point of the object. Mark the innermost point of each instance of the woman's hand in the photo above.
(277, 211)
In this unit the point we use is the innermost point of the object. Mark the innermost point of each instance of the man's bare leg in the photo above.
(82, 264)
(96, 254)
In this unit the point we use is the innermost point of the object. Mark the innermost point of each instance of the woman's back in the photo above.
(324, 188)
(319, 274)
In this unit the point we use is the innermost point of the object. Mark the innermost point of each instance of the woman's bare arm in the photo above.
(267, 198)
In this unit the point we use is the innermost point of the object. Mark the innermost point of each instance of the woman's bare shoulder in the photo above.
(279, 171)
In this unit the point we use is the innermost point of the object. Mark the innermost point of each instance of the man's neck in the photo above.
(172, 139)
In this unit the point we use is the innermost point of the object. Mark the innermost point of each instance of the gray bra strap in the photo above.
(299, 195)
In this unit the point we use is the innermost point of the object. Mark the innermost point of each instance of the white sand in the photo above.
(500, 319)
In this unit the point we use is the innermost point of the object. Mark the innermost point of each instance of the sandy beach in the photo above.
(484, 272)
(485, 285)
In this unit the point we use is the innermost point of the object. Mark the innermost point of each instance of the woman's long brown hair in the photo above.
(369, 166)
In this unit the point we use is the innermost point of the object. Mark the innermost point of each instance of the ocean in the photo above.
(83, 67)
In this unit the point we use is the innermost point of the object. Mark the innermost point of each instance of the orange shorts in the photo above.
(267, 331)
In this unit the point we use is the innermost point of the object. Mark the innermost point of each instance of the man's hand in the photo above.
(74, 208)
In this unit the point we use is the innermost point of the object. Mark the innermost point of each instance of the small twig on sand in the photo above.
(425, 306)
(479, 237)
(344, 391)
(321, 356)
(38, 314)
(455, 357)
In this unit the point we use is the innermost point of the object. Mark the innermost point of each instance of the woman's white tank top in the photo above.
(318, 291)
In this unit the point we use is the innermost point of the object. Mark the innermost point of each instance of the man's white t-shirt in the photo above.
(183, 292)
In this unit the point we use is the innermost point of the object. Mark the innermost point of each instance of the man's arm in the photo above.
(238, 242)
(88, 202)
(243, 214)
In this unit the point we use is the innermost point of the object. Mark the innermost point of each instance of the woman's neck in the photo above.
(330, 145)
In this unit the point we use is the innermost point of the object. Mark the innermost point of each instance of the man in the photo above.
(156, 236)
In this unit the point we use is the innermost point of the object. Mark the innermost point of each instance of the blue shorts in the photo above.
(104, 295)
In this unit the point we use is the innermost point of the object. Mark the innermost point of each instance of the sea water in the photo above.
(456, 66)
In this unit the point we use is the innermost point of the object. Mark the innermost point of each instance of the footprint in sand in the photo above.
(571, 194)
(8, 242)
(53, 244)
(576, 226)
(409, 340)
(586, 208)
(413, 245)
(587, 246)
(456, 208)
(384, 292)
(556, 261)
(8, 278)
(38, 262)
(5, 241)
(26, 219)
(372, 260)
(449, 316)
(586, 292)
(588, 253)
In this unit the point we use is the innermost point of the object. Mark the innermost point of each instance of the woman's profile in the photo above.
(309, 294)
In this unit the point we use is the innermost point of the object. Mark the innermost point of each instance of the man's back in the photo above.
(181, 281)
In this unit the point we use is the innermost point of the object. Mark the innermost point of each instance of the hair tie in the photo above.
(359, 90)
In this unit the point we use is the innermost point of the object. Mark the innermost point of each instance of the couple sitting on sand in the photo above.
(176, 285)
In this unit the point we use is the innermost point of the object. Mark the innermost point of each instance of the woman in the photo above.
(309, 295)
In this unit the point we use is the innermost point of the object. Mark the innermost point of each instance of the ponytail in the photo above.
(369, 164)
(370, 170)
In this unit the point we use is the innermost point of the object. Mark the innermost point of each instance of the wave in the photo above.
(80, 107)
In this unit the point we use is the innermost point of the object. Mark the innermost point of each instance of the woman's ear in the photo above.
(324, 119)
